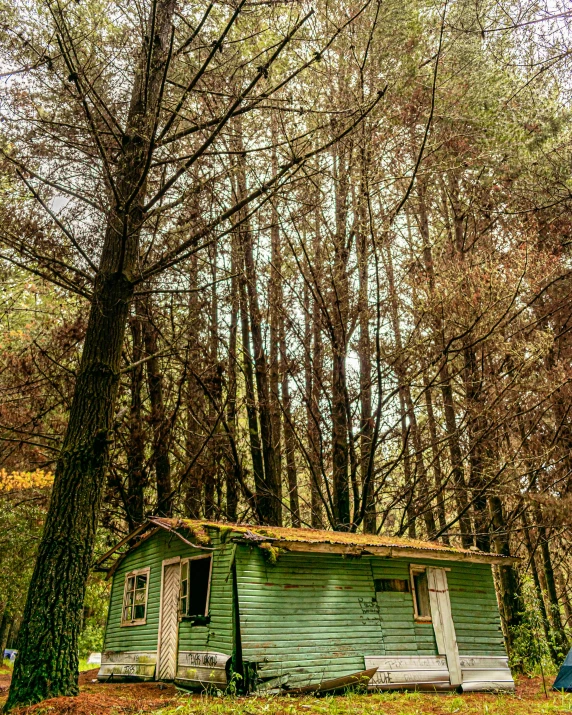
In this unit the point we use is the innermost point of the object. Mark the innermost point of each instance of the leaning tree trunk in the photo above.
(47, 663)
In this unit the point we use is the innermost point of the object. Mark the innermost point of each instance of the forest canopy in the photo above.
(292, 263)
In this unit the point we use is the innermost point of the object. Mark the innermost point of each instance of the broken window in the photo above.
(398, 585)
(195, 586)
(135, 598)
(420, 589)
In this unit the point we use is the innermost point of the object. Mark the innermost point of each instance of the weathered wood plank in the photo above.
(202, 669)
(127, 665)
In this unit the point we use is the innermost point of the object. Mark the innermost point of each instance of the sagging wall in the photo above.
(132, 650)
(312, 617)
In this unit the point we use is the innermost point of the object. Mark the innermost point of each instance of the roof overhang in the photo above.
(391, 552)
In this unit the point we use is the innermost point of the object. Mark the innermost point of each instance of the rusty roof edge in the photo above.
(438, 553)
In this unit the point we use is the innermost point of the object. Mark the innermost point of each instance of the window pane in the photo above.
(199, 586)
(184, 588)
(184, 604)
(142, 581)
(135, 596)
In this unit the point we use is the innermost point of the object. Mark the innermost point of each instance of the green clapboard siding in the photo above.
(309, 617)
(312, 616)
(217, 636)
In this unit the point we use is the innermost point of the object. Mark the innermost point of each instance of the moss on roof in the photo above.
(312, 536)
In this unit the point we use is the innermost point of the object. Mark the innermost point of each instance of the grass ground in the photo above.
(159, 699)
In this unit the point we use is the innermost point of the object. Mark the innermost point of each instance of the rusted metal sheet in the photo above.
(486, 673)
(202, 669)
(409, 673)
(119, 665)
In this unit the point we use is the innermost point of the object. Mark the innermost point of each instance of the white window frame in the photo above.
(208, 598)
(414, 569)
(135, 621)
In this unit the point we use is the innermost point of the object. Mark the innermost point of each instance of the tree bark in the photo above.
(512, 606)
(195, 399)
(539, 594)
(436, 463)
(255, 448)
(160, 462)
(5, 625)
(560, 638)
(270, 502)
(233, 473)
(364, 352)
(136, 477)
(457, 471)
(314, 374)
(340, 313)
(47, 663)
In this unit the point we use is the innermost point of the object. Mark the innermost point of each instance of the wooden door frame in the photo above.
(166, 562)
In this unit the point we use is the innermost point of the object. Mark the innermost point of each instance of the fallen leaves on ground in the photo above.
(162, 699)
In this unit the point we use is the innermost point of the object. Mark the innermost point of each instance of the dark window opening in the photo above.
(421, 595)
(195, 586)
(397, 585)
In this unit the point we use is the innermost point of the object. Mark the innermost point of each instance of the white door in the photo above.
(169, 621)
(443, 622)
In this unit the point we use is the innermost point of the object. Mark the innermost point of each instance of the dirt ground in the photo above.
(163, 699)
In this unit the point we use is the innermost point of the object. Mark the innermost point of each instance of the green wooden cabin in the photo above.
(268, 608)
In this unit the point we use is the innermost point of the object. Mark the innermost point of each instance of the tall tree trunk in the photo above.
(195, 399)
(255, 448)
(340, 314)
(476, 428)
(275, 318)
(539, 595)
(455, 455)
(565, 598)
(5, 625)
(314, 375)
(211, 461)
(436, 463)
(270, 502)
(364, 352)
(136, 476)
(560, 638)
(512, 606)
(233, 473)
(160, 462)
(47, 663)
